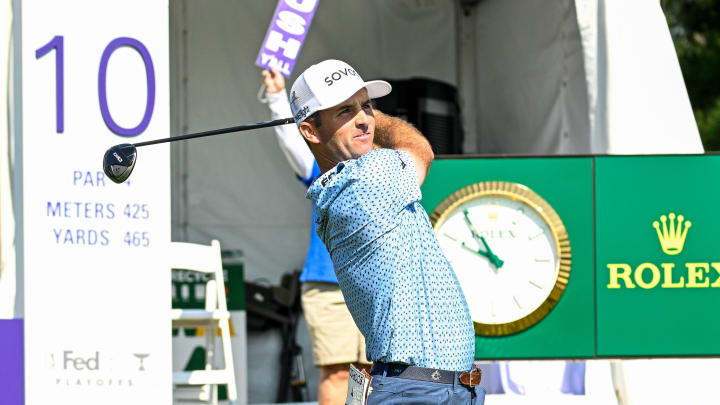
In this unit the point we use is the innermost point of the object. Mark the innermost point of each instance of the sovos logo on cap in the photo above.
(339, 74)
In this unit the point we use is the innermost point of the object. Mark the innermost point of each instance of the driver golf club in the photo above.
(119, 161)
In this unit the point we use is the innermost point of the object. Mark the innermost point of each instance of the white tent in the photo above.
(534, 77)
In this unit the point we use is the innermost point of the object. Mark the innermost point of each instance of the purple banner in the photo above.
(286, 35)
(12, 384)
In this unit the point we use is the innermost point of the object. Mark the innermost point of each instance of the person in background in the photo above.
(336, 341)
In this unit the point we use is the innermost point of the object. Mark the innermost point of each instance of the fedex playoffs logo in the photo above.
(77, 370)
(286, 34)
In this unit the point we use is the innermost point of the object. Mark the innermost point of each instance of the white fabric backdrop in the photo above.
(530, 84)
(640, 104)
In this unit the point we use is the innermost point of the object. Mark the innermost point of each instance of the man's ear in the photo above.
(308, 131)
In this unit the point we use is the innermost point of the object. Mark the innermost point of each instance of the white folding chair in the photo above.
(206, 259)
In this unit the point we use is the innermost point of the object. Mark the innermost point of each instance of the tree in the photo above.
(695, 28)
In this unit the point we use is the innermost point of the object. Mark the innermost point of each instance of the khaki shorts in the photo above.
(334, 336)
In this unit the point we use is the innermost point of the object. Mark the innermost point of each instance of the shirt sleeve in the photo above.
(291, 142)
(385, 184)
(314, 174)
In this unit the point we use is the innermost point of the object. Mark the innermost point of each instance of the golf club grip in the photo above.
(238, 128)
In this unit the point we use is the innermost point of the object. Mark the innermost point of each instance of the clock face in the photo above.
(509, 251)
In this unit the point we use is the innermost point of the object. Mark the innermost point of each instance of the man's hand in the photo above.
(273, 80)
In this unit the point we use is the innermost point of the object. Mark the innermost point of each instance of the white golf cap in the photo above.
(328, 84)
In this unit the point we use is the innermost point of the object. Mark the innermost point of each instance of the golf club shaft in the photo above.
(238, 128)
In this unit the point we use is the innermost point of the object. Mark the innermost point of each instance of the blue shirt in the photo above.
(318, 265)
(397, 284)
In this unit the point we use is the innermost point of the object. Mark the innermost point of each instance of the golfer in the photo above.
(399, 287)
(336, 340)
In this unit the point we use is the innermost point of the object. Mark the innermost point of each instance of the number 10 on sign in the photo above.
(57, 44)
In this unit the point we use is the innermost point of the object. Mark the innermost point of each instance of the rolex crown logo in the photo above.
(672, 237)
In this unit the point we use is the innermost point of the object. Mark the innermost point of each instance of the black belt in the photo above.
(425, 374)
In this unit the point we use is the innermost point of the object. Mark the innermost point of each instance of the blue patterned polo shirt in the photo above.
(397, 284)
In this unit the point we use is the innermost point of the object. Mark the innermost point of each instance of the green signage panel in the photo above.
(658, 260)
(188, 287)
(566, 327)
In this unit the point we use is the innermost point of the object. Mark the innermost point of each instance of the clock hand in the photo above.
(493, 258)
(466, 247)
(490, 255)
(470, 225)
(480, 252)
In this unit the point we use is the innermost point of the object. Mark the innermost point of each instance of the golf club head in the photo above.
(119, 162)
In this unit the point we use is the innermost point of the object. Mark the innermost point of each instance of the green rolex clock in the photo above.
(510, 252)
